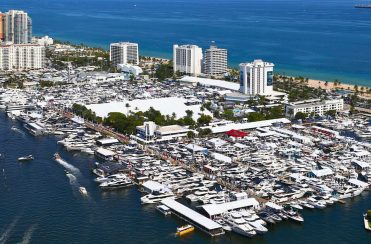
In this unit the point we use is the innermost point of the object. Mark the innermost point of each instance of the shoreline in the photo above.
(313, 82)
(330, 85)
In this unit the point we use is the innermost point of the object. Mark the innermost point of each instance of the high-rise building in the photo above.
(256, 78)
(215, 61)
(187, 59)
(21, 56)
(1, 27)
(124, 53)
(17, 27)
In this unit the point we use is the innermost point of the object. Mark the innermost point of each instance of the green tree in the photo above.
(228, 114)
(190, 134)
(255, 116)
(204, 119)
(204, 132)
(331, 113)
(164, 71)
(301, 115)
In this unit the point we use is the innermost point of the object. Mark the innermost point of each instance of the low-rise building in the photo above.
(130, 69)
(150, 132)
(314, 106)
(43, 41)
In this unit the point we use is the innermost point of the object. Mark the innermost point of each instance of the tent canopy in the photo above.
(236, 133)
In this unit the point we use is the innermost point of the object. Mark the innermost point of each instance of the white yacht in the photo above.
(116, 183)
(102, 179)
(259, 228)
(295, 216)
(155, 198)
(350, 192)
(197, 194)
(164, 209)
(239, 225)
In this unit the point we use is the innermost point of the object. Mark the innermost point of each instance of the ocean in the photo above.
(320, 39)
(40, 204)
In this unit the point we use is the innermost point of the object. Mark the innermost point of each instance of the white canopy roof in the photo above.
(105, 152)
(191, 214)
(358, 183)
(216, 209)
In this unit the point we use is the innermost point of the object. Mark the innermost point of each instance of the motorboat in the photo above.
(267, 218)
(56, 156)
(102, 179)
(224, 225)
(116, 183)
(296, 206)
(275, 217)
(83, 191)
(295, 216)
(164, 209)
(239, 225)
(183, 230)
(26, 158)
(307, 205)
(260, 229)
(155, 198)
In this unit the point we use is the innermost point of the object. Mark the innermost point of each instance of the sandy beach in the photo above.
(331, 85)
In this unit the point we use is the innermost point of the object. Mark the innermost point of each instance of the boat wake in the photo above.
(69, 167)
(28, 234)
(4, 237)
(73, 180)
(15, 129)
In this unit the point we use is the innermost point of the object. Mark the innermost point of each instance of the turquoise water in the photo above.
(323, 39)
(40, 204)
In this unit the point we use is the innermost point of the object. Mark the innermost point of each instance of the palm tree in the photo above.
(127, 105)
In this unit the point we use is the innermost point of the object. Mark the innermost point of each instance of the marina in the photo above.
(116, 147)
(240, 181)
(130, 204)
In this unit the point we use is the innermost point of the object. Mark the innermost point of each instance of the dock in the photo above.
(199, 221)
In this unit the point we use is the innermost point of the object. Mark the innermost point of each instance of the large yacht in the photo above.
(116, 183)
(155, 198)
(349, 192)
(239, 225)
(102, 179)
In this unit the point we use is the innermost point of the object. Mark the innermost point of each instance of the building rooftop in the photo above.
(216, 209)
(212, 82)
(191, 214)
(166, 105)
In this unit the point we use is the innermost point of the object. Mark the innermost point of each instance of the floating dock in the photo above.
(199, 221)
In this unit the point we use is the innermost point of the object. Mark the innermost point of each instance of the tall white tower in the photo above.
(124, 53)
(187, 59)
(215, 60)
(256, 78)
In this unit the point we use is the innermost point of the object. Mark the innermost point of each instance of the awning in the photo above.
(236, 133)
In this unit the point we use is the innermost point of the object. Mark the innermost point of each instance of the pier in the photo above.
(201, 222)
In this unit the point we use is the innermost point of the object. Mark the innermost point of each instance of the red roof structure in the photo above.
(236, 133)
